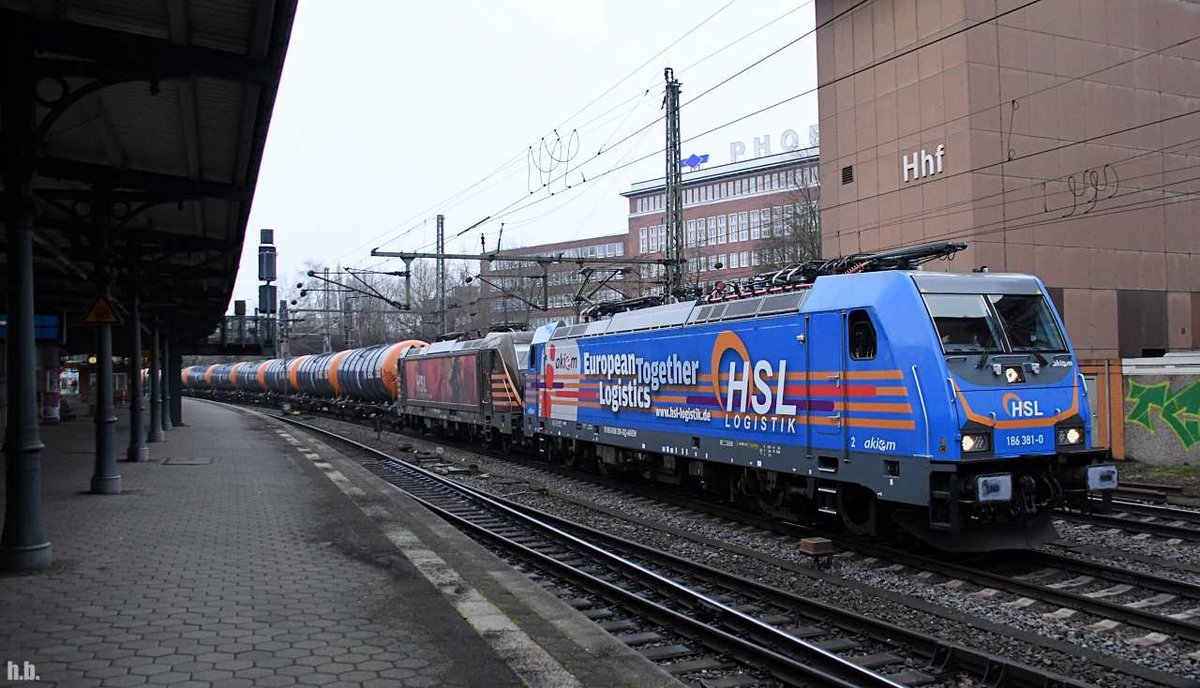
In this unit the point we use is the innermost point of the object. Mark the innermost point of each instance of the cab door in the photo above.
(825, 387)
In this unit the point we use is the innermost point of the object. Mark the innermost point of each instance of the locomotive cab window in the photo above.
(1028, 322)
(862, 336)
(998, 323)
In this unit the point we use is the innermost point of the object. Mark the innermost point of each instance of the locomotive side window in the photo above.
(522, 356)
(862, 336)
(964, 322)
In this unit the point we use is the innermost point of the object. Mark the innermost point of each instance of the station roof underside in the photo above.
(150, 118)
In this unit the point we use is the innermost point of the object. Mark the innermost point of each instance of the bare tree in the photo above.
(793, 234)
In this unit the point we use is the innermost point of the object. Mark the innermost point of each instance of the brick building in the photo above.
(746, 217)
(1057, 140)
(523, 284)
(742, 216)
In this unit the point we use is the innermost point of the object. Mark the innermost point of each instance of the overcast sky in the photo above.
(390, 112)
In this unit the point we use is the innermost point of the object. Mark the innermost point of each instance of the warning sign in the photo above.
(102, 313)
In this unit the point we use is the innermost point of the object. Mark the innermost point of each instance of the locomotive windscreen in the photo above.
(444, 379)
(994, 323)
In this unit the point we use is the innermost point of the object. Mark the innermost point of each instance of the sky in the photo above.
(534, 113)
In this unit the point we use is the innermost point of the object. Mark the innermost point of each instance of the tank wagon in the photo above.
(860, 389)
(359, 381)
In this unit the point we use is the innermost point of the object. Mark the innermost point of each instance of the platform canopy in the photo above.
(149, 119)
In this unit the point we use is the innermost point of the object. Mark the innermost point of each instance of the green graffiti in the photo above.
(1179, 410)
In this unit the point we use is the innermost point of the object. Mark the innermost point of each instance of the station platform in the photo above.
(246, 553)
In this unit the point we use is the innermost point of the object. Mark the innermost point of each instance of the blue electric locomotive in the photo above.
(949, 404)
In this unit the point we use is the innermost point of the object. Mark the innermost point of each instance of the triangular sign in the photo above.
(102, 313)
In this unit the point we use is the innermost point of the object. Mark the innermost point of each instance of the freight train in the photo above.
(863, 390)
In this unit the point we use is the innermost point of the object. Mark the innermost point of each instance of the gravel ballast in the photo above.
(871, 588)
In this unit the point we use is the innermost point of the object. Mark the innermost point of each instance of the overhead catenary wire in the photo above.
(1005, 225)
(518, 157)
(518, 205)
(740, 72)
(997, 226)
(972, 204)
(461, 195)
(1052, 149)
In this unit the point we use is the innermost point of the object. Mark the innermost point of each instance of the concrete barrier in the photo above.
(1161, 409)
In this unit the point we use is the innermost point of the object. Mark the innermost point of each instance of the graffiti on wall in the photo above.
(1178, 409)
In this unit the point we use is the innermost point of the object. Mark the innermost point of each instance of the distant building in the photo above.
(746, 217)
(511, 290)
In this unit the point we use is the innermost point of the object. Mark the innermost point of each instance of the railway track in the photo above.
(932, 606)
(794, 640)
(1175, 524)
(1090, 596)
(1106, 597)
(1154, 493)
(1094, 597)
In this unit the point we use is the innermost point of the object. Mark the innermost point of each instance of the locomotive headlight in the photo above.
(994, 488)
(1070, 436)
(974, 443)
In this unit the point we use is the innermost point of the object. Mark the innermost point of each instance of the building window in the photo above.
(642, 240)
(712, 231)
(721, 229)
(743, 227)
(754, 225)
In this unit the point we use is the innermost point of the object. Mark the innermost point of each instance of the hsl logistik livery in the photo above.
(860, 389)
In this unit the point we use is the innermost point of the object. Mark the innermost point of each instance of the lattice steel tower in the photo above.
(441, 268)
(674, 192)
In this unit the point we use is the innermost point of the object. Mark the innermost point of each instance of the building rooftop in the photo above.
(541, 249)
(765, 162)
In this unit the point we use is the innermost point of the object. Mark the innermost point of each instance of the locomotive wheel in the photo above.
(856, 505)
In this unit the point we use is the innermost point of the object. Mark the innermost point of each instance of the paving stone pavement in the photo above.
(252, 570)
